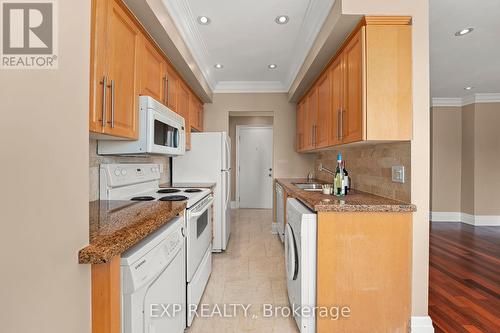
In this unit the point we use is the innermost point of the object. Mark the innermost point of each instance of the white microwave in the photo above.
(161, 132)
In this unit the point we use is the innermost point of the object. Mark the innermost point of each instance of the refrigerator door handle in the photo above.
(228, 152)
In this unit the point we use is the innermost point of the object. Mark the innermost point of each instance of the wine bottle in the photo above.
(339, 189)
(347, 183)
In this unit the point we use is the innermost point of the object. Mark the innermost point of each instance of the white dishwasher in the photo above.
(280, 211)
(153, 276)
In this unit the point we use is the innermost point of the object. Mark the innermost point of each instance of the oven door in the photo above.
(199, 233)
(166, 133)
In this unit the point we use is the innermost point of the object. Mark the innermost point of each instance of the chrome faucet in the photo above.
(322, 168)
(310, 176)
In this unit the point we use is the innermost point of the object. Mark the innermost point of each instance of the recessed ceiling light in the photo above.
(203, 20)
(218, 66)
(282, 19)
(464, 31)
(272, 66)
(469, 88)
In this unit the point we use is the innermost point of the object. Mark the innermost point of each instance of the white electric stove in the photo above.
(141, 182)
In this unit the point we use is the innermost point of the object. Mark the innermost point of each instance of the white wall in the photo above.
(44, 187)
(420, 151)
(287, 163)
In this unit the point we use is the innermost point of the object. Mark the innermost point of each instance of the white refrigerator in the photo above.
(209, 160)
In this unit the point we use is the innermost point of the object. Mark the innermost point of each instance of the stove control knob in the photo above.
(153, 170)
(117, 172)
(124, 172)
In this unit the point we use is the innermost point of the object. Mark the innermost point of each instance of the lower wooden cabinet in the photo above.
(365, 93)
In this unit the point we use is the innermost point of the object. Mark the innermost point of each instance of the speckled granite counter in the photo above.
(190, 185)
(116, 226)
(355, 201)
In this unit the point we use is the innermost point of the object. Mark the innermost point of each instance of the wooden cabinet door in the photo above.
(172, 88)
(194, 115)
(183, 110)
(311, 118)
(337, 79)
(352, 117)
(98, 90)
(122, 48)
(300, 126)
(200, 116)
(323, 121)
(152, 73)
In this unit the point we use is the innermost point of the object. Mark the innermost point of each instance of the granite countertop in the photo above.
(116, 226)
(355, 201)
(190, 185)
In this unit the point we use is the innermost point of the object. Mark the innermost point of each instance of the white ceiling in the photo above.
(244, 38)
(470, 60)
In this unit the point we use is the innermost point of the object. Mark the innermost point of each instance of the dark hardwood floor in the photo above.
(464, 278)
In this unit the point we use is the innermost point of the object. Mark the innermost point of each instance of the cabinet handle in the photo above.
(338, 124)
(112, 86)
(104, 90)
(165, 89)
(341, 123)
(167, 95)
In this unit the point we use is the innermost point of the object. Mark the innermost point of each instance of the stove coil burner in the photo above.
(168, 190)
(174, 198)
(145, 198)
(192, 190)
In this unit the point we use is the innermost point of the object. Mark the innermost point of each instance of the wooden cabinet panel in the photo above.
(183, 110)
(122, 68)
(389, 82)
(323, 122)
(196, 114)
(300, 127)
(311, 116)
(201, 114)
(337, 100)
(352, 110)
(152, 72)
(98, 64)
(369, 272)
(115, 64)
(172, 88)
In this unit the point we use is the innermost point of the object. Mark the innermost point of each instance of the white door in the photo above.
(255, 174)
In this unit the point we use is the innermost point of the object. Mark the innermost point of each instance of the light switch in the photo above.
(398, 174)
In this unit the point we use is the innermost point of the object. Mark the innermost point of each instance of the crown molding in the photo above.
(183, 17)
(447, 102)
(462, 101)
(316, 14)
(250, 87)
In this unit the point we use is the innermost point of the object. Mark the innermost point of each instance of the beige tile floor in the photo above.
(250, 271)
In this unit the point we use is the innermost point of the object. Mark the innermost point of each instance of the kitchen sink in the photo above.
(309, 186)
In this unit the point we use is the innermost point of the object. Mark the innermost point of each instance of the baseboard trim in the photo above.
(234, 205)
(475, 220)
(421, 325)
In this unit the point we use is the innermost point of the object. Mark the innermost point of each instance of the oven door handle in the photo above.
(205, 207)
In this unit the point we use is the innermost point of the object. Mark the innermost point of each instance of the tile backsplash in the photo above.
(95, 160)
(370, 168)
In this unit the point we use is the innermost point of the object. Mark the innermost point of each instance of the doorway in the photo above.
(254, 166)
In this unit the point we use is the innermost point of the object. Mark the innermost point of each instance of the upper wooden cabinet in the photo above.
(172, 88)
(196, 114)
(114, 70)
(183, 110)
(365, 93)
(126, 63)
(300, 142)
(153, 71)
